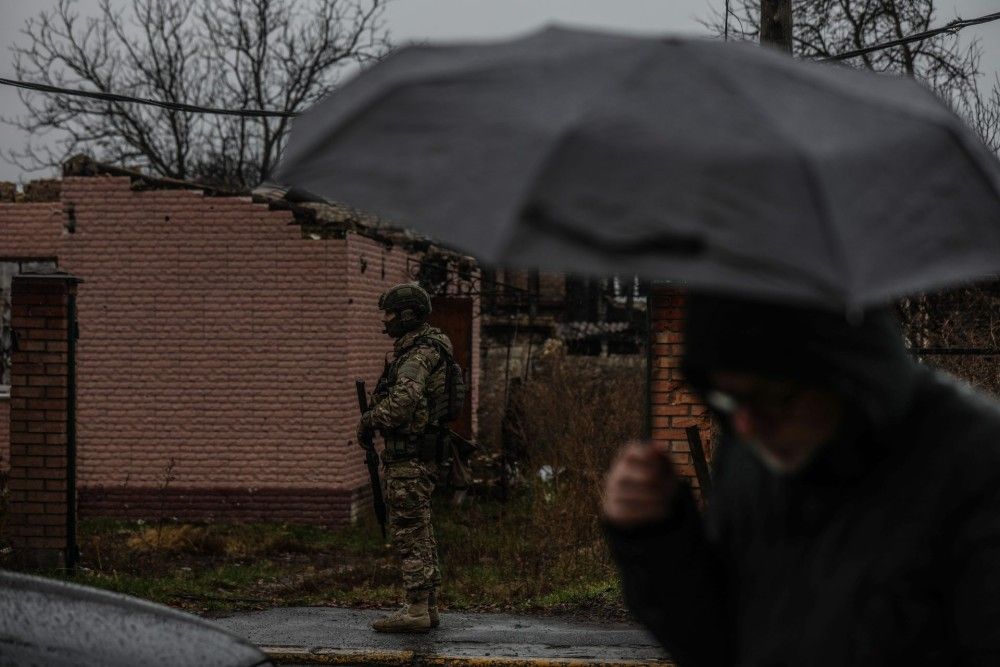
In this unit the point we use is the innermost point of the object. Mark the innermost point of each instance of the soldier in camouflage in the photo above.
(406, 411)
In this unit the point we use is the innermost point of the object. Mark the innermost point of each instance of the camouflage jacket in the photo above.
(415, 376)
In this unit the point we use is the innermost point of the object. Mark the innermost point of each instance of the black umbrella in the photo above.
(726, 166)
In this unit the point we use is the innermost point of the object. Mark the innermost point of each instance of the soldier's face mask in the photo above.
(397, 324)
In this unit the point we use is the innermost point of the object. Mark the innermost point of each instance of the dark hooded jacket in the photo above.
(883, 551)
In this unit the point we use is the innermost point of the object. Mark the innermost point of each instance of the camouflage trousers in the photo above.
(408, 488)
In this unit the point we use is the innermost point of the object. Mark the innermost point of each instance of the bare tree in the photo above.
(825, 28)
(280, 55)
(983, 114)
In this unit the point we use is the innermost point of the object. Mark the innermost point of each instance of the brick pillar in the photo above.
(41, 517)
(672, 406)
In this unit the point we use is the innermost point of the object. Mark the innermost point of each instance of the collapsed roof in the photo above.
(318, 217)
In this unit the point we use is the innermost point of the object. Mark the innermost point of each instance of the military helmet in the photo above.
(410, 306)
(408, 296)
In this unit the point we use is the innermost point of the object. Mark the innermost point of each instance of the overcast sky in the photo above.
(420, 20)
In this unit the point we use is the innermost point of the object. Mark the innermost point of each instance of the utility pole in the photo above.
(776, 23)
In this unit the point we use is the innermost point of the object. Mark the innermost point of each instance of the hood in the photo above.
(862, 359)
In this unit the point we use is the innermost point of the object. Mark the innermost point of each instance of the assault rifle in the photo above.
(371, 460)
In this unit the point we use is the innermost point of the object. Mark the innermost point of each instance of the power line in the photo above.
(952, 28)
(175, 106)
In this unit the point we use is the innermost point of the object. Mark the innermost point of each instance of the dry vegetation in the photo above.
(573, 414)
(963, 321)
(576, 412)
(542, 551)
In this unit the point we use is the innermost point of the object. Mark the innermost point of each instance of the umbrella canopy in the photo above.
(723, 165)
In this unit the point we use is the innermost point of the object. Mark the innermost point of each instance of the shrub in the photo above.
(575, 414)
(568, 419)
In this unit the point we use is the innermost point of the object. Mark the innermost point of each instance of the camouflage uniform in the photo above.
(413, 380)
(410, 403)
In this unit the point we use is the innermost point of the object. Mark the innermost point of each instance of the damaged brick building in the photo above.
(220, 337)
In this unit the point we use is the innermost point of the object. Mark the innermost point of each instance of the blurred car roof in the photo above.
(49, 622)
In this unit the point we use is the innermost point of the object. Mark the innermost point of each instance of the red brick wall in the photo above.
(26, 231)
(366, 346)
(30, 230)
(37, 519)
(218, 348)
(674, 408)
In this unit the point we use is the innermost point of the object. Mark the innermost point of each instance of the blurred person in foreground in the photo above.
(855, 515)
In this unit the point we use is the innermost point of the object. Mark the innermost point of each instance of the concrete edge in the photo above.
(327, 656)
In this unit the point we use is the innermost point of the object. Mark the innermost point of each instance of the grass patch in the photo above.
(228, 567)
(541, 552)
(488, 564)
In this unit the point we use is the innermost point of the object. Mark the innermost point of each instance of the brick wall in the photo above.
(30, 230)
(673, 407)
(34, 232)
(218, 349)
(38, 520)
(372, 269)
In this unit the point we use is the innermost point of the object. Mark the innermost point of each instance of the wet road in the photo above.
(343, 634)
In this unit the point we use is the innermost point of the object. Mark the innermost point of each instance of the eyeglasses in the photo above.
(769, 403)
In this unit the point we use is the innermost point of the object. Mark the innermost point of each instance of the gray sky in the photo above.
(419, 20)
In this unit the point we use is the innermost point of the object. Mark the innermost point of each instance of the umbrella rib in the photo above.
(533, 215)
(678, 244)
(838, 249)
(777, 267)
(946, 122)
(527, 207)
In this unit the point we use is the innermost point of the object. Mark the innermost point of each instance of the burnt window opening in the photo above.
(629, 290)
(432, 275)
(8, 269)
(624, 346)
(585, 347)
(488, 288)
(604, 316)
(534, 282)
(581, 299)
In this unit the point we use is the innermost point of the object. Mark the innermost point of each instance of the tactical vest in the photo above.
(445, 396)
(448, 403)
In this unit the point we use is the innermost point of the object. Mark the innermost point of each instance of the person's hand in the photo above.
(365, 428)
(640, 486)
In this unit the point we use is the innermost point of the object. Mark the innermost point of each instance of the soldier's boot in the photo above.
(432, 608)
(413, 617)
